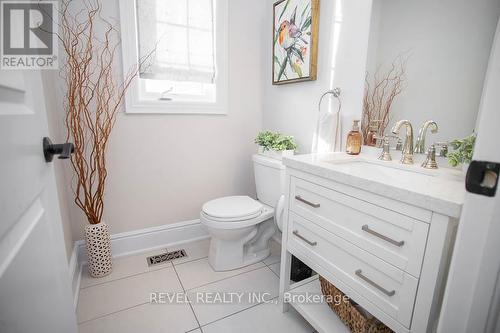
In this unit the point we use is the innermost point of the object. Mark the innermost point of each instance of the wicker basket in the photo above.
(355, 320)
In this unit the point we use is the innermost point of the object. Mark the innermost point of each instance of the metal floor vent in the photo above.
(164, 257)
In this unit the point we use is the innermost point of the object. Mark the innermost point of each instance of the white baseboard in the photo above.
(75, 271)
(138, 241)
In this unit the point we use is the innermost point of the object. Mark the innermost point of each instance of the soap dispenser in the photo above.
(371, 136)
(353, 146)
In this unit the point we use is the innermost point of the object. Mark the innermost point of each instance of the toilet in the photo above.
(241, 227)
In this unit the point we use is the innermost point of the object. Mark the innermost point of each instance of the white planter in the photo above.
(98, 249)
(277, 155)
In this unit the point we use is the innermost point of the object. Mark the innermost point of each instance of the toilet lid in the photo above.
(234, 208)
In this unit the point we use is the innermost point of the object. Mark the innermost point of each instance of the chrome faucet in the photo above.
(420, 144)
(407, 156)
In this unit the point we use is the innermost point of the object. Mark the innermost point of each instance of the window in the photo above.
(185, 42)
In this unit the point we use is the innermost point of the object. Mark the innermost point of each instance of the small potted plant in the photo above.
(463, 149)
(275, 145)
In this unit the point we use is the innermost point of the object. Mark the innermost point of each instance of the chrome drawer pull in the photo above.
(387, 239)
(298, 197)
(385, 291)
(296, 233)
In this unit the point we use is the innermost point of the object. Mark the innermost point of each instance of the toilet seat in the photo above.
(265, 214)
(233, 208)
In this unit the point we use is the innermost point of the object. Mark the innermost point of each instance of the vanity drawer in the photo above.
(388, 288)
(396, 238)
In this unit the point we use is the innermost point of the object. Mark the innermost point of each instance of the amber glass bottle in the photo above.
(353, 146)
(371, 136)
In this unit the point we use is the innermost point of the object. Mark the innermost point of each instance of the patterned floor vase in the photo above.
(98, 249)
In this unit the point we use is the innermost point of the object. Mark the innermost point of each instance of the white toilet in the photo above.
(242, 227)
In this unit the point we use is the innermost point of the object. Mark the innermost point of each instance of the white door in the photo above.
(472, 298)
(35, 292)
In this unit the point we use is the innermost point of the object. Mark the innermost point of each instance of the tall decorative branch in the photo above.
(93, 98)
(379, 97)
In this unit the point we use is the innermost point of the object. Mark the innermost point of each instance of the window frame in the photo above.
(130, 56)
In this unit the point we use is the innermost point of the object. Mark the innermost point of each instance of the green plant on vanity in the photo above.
(275, 141)
(462, 150)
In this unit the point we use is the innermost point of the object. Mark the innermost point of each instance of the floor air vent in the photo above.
(164, 257)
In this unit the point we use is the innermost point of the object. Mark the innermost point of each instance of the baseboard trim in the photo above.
(75, 273)
(138, 241)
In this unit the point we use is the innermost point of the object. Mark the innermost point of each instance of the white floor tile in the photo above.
(197, 273)
(148, 318)
(262, 318)
(121, 294)
(261, 281)
(275, 253)
(195, 250)
(275, 268)
(123, 267)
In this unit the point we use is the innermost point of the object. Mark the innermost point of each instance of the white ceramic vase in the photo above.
(98, 249)
(278, 155)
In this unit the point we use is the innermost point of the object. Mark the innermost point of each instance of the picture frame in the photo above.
(295, 41)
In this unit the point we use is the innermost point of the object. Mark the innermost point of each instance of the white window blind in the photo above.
(182, 32)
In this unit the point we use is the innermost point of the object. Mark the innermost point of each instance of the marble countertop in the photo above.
(441, 190)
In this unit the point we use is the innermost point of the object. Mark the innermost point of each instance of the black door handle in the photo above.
(482, 178)
(64, 150)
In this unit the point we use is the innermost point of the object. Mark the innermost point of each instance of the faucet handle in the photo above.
(430, 160)
(386, 151)
(386, 146)
(443, 152)
(379, 140)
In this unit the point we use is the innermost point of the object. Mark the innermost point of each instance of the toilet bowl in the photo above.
(241, 227)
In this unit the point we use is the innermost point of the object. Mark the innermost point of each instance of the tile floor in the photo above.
(121, 303)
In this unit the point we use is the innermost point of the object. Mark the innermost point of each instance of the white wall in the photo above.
(343, 39)
(449, 43)
(162, 168)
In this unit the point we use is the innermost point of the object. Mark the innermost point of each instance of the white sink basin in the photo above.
(388, 169)
(367, 165)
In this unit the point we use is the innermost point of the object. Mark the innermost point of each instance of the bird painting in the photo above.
(289, 32)
(295, 33)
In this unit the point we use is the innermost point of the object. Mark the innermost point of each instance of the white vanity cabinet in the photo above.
(386, 253)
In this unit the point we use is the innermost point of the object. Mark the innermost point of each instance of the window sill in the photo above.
(171, 107)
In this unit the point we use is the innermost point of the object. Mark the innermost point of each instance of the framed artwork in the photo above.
(295, 40)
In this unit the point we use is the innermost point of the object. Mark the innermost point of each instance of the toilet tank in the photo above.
(269, 179)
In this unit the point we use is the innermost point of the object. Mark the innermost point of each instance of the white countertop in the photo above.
(441, 190)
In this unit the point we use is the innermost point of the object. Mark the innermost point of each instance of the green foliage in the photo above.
(462, 150)
(266, 139)
(273, 140)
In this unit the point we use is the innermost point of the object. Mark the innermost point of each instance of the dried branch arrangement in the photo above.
(380, 92)
(93, 97)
